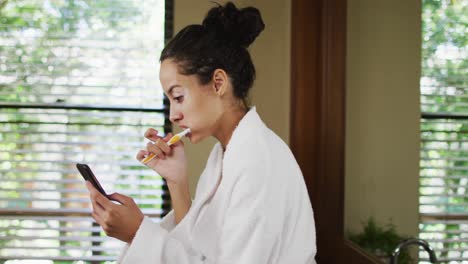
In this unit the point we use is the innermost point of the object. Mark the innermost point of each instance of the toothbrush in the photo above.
(176, 138)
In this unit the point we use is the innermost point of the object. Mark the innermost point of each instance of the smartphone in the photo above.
(88, 175)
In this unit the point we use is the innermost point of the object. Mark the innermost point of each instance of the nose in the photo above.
(175, 115)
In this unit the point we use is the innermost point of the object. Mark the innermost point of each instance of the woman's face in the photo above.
(192, 105)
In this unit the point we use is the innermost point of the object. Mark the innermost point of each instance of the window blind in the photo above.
(78, 84)
(444, 131)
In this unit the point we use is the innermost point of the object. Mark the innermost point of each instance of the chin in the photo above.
(194, 139)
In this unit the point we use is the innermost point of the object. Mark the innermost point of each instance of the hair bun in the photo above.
(238, 26)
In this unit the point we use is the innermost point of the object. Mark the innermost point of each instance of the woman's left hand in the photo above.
(118, 220)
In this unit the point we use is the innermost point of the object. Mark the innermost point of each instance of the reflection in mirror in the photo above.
(406, 124)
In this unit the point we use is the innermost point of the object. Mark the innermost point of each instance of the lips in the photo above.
(183, 128)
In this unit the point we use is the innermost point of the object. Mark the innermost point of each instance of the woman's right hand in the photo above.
(170, 161)
(118, 220)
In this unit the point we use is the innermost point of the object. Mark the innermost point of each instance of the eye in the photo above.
(179, 99)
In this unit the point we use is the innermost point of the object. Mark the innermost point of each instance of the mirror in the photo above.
(382, 115)
(370, 166)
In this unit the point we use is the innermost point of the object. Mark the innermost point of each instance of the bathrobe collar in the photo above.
(244, 128)
(218, 158)
(214, 167)
(247, 127)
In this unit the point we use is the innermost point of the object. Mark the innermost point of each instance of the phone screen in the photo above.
(88, 175)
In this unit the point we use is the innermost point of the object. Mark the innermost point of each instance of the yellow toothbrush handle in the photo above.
(148, 158)
(171, 141)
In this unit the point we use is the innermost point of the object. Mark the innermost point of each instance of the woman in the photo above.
(251, 203)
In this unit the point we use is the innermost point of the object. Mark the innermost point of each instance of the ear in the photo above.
(220, 81)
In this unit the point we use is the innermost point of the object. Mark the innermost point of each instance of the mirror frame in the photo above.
(317, 128)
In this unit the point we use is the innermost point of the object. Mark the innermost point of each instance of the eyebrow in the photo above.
(172, 87)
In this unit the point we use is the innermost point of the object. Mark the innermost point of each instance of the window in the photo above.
(444, 130)
(78, 83)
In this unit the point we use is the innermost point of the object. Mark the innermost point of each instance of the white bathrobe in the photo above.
(251, 207)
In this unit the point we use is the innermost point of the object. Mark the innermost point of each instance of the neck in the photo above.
(229, 122)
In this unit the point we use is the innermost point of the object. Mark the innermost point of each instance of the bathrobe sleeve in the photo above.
(246, 236)
(152, 243)
(149, 233)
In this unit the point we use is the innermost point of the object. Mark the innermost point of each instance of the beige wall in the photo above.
(270, 53)
(382, 149)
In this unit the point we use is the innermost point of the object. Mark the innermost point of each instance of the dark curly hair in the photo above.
(220, 42)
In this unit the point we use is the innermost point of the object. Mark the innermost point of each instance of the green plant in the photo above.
(380, 240)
